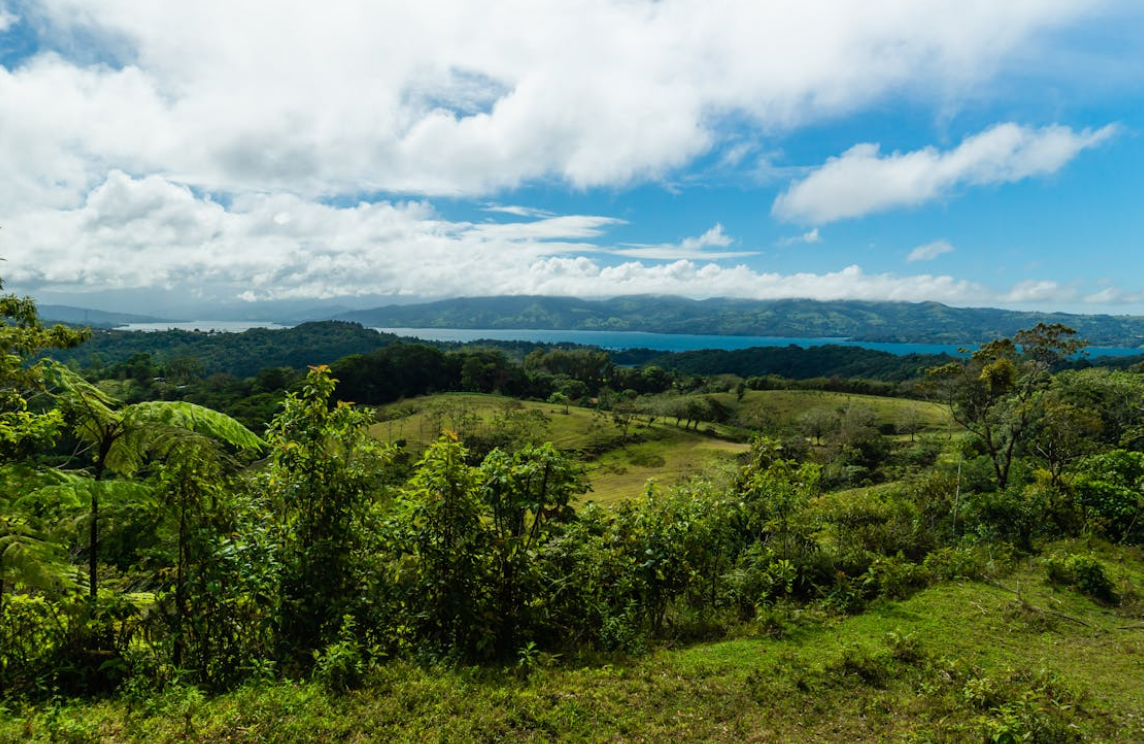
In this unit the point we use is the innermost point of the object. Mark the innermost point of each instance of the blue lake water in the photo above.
(681, 341)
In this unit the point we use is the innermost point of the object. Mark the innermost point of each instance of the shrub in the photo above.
(893, 577)
(1084, 573)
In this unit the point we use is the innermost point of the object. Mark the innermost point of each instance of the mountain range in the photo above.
(906, 322)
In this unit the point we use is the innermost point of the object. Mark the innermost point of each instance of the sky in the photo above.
(970, 152)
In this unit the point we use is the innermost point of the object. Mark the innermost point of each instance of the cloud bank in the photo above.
(149, 232)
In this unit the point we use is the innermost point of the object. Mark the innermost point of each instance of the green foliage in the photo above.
(335, 559)
(239, 354)
(25, 428)
(1084, 572)
(324, 477)
(525, 494)
(342, 664)
(442, 573)
(1109, 488)
(996, 394)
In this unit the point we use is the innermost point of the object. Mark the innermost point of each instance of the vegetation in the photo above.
(142, 356)
(164, 572)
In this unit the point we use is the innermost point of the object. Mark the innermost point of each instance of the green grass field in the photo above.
(1012, 659)
(785, 406)
(617, 467)
(620, 466)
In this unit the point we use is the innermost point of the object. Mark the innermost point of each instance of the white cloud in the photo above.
(810, 237)
(686, 249)
(1114, 296)
(454, 97)
(547, 228)
(517, 211)
(863, 181)
(282, 109)
(148, 232)
(929, 251)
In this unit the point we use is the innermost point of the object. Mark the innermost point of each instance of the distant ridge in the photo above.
(97, 318)
(906, 322)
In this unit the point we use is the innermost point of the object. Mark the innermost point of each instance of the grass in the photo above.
(960, 661)
(784, 407)
(666, 454)
(618, 465)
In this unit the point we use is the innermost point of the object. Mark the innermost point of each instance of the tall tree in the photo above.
(993, 393)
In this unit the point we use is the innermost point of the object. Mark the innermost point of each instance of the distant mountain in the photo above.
(95, 318)
(908, 322)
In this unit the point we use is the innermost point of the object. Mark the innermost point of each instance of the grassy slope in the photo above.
(785, 406)
(956, 662)
(616, 468)
(620, 469)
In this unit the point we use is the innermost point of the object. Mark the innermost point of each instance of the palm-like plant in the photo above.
(29, 556)
(122, 439)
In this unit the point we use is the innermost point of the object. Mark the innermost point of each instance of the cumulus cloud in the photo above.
(250, 130)
(1114, 296)
(929, 251)
(863, 181)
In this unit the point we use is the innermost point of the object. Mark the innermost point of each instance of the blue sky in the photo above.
(969, 152)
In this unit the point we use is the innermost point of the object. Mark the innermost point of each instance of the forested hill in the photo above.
(791, 362)
(925, 322)
(87, 317)
(240, 354)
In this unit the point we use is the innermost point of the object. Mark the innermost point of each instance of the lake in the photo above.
(682, 341)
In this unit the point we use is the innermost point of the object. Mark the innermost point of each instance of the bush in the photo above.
(894, 577)
(960, 562)
(1084, 573)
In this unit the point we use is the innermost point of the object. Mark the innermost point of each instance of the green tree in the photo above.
(1062, 433)
(817, 423)
(443, 546)
(524, 494)
(993, 393)
(26, 428)
(123, 438)
(325, 475)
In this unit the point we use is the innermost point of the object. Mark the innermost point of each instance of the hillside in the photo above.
(87, 317)
(924, 322)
